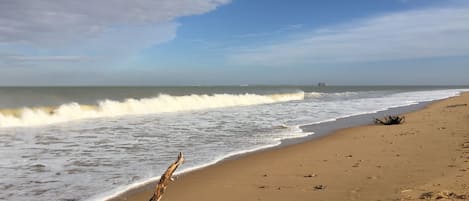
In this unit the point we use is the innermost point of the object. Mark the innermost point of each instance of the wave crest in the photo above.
(336, 94)
(109, 108)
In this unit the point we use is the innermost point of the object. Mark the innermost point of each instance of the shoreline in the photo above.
(339, 125)
(326, 128)
(312, 131)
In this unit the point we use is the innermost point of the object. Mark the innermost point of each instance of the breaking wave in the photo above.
(109, 108)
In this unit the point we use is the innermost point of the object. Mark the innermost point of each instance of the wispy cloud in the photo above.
(284, 29)
(413, 34)
(44, 58)
(16, 61)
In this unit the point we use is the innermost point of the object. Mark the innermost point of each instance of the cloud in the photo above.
(281, 30)
(44, 58)
(435, 32)
(57, 21)
(49, 33)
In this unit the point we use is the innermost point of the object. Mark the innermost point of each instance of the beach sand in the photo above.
(426, 157)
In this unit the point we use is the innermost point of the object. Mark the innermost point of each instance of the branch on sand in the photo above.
(166, 178)
(390, 120)
(456, 105)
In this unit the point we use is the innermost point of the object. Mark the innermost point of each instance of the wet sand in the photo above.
(426, 157)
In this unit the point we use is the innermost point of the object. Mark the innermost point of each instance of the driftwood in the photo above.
(457, 105)
(390, 120)
(443, 195)
(166, 178)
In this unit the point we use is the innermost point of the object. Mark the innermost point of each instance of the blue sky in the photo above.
(222, 42)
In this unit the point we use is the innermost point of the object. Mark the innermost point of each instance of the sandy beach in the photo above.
(427, 157)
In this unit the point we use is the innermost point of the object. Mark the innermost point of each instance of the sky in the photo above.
(232, 42)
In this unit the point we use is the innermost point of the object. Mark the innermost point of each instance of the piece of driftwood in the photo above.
(166, 178)
(457, 105)
(442, 195)
(390, 120)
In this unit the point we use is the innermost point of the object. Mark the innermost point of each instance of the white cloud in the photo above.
(397, 36)
(59, 21)
(104, 31)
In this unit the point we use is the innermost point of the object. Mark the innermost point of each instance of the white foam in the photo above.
(119, 191)
(314, 94)
(160, 104)
(336, 94)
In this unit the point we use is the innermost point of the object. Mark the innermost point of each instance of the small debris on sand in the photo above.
(319, 187)
(310, 175)
(426, 195)
(406, 191)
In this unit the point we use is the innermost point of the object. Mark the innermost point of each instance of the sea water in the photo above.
(92, 143)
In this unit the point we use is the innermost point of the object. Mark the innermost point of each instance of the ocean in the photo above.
(92, 143)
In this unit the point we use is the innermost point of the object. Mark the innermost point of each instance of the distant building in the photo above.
(321, 84)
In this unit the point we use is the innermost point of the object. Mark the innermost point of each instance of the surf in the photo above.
(163, 103)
